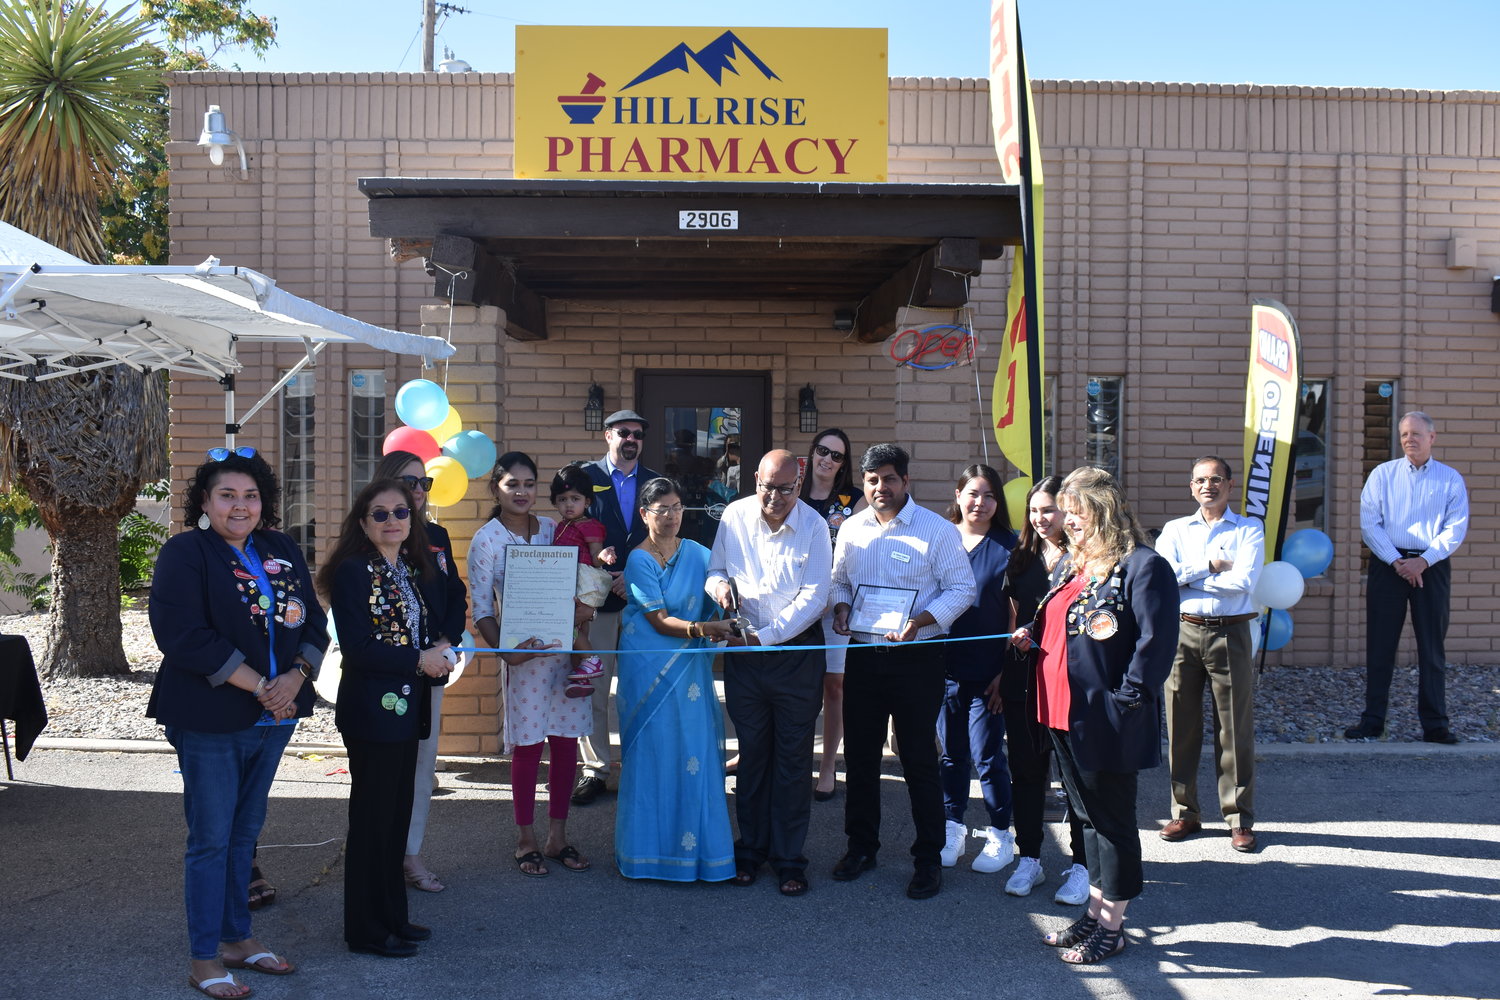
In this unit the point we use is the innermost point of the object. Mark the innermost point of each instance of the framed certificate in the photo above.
(879, 610)
(540, 581)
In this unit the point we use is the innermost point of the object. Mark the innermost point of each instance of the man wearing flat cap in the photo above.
(617, 478)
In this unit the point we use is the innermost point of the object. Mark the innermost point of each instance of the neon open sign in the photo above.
(932, 348)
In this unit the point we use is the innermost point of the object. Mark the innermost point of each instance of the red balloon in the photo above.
(419, 443)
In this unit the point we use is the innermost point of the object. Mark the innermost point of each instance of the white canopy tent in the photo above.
(60, 315)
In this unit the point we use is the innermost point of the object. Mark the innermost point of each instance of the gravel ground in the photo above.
(1295, 704)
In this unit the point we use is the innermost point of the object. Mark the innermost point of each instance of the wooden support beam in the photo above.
(923, 282)
(464, 270)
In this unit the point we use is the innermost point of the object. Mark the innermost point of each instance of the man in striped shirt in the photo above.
(1413, 514)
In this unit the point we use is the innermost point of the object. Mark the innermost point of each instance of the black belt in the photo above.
(888, 647)
(1218, 622)
(1411, 553)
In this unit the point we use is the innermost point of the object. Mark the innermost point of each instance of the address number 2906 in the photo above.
(709, 219)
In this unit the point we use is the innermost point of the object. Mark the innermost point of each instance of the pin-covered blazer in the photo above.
(383, 696)
(208, 616)
(1115, 681)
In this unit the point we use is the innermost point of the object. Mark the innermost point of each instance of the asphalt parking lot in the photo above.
(1378, 875)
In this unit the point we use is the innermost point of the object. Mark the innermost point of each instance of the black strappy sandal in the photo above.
(1075, 933)
(1103, 944)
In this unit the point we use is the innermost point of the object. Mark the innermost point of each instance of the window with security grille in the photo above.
(299, 405)
(366, 426)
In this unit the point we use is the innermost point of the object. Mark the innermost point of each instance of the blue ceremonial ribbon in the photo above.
(730, 649)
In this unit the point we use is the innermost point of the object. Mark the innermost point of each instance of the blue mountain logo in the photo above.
(714, 59)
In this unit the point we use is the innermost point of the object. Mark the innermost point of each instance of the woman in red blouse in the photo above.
(1108, 633)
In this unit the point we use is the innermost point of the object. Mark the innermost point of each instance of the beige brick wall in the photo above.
(1168, 208)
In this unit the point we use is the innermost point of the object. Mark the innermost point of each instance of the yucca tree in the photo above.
(76, 86)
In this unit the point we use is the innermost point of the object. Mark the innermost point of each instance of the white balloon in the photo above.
(1280, 585)
(1255, 629)
(327, 684)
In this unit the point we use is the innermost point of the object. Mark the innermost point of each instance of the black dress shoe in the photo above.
(414, 933)
(852, 865)
(589, 788)
(1364, 729)
(925, 882)
(391, 947)
(1443, 735)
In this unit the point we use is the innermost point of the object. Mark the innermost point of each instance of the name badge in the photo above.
(901, 557)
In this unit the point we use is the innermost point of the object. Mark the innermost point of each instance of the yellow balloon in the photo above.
(450, 426)
(449, 481)
(1015, 501)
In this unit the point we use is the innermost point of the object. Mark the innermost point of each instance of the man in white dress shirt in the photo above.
(912, 563)
(1217, 555)
(775, 551)
(1413, 514)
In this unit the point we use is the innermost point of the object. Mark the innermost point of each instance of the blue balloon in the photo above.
(422, 404)
(1280, 632)
(473, 450)
(1310, 550)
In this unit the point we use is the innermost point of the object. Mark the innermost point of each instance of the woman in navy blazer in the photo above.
(374, 579)
(447, 601)
(241, 634)
(1108, 634)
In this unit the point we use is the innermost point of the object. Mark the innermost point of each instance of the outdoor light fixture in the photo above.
(843, 320)
(593, 410)
(216, 135)
(807, 409)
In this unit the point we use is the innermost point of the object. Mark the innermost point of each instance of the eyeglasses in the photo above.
(676, 508)
(382, 516)
(1208, 480)
(624, 434)
(424, 483)
(823, 452)
(219, 454)
(769, 488)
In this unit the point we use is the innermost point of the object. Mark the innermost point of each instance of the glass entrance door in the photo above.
(702, 427)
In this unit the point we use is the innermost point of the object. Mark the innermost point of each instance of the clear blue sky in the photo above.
(1429, 44)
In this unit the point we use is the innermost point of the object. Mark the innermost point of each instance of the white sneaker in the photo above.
(999, 850)
(1027, 876)
(954, 849)
(1075, 887)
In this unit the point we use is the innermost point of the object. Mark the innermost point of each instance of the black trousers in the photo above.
(1030, 751)
(903, 685)
(773, 700)
(1387, 597)
(380, 788)
(1104, 802)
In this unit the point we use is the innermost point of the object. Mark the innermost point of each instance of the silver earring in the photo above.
(203, 522)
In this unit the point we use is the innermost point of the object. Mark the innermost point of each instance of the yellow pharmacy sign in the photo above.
(737, 104)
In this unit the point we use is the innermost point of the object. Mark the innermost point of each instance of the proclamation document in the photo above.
(878, 610)
(540, 581)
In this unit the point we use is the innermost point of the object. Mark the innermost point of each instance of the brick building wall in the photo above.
(1169, 207)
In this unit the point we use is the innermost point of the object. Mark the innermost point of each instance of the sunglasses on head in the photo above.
(823, 452)
(424, 483)
(382, 516)
(638, 435)
(219, 454)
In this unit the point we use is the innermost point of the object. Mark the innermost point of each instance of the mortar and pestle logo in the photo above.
(582, 108)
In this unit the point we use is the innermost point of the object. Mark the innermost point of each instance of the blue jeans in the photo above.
(226, 778)
(971, 735)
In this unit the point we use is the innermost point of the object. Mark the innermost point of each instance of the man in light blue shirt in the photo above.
(1413, 515)
(1217, 555)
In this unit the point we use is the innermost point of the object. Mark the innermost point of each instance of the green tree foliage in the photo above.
(187, 35)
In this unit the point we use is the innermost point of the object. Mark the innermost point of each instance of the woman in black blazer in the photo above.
(447, 603)
(241, 635)
(1107, 634)
(373, 579)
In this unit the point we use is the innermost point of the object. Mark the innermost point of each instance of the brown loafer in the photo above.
(1180, 829)
(1242, 839)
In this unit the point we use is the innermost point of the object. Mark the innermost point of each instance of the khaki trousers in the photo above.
(1221, 658)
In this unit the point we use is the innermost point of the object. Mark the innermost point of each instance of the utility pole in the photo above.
(429, 33)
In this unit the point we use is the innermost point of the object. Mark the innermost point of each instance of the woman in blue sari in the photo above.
(672, 822)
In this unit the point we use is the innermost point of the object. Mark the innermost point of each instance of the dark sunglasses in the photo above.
(382, 516)
(418, 482)
(638, 435)
(219, 454)
(823, 452)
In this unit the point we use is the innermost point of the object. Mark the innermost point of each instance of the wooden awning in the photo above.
(869, 247)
